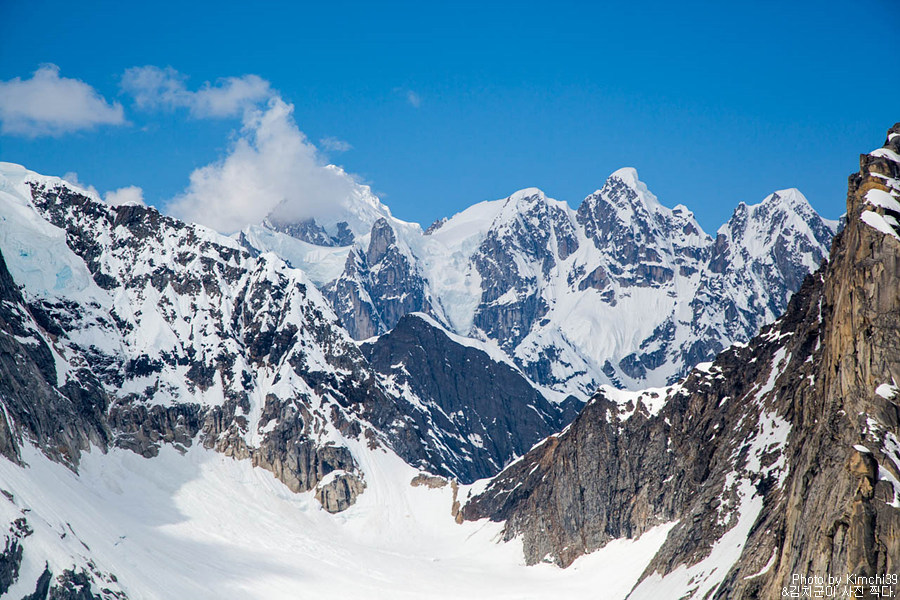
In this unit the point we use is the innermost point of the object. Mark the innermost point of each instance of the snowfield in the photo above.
(201, 525)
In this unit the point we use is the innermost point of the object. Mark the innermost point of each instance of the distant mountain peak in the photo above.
(634, 193)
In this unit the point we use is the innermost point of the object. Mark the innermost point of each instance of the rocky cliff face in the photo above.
(484, 409)
(66, 417)
(377, 287)
(309, 231)
(781, 457)
(64, 410)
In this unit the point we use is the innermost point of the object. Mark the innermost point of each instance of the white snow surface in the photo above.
(36, 251)
(879, 223)
(201, 525)
(886, 153)
(321, 263)
(887, 391)
(877, 197)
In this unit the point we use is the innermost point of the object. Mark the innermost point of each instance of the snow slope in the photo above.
(202, 525)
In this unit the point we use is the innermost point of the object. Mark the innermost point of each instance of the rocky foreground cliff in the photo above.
(779, 458)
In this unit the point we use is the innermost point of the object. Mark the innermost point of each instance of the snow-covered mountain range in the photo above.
(334, 392)
(182, 324)
(124, 329)
(622, 291)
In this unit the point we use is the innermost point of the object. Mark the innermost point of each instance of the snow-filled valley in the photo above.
(202, 525)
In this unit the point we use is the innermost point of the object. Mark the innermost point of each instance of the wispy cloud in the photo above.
(333, 144)
(48, 104)
(271, 166)
(72, 177)
(155, 88)
(413, 98)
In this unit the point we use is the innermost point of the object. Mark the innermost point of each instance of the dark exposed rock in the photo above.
(438, 223)
(511, 301)
(397, 289)
(306, 230)
(487, 412)
(596, 279)
(71, 585)
(350, 298)
(343, 236)
(430, 481)
(65, 417)
(42, 587)
(10, 560)
(378, 287)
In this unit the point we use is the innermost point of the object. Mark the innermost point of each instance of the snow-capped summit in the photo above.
(624, 290)
(625, 220)
(768, 248)
(641, 193)
(351, 216)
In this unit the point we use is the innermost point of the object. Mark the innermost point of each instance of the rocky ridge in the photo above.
(780, 457)
(472, 394)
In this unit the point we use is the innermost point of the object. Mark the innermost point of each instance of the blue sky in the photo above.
(444, 106)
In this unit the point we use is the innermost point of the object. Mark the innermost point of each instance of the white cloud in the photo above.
(72, 177)
(152, 88)
(131, 195)
(333, 144)
(48, 104)
(271, 164)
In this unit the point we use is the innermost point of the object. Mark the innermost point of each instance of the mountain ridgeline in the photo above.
(622, 291)
(781, 457)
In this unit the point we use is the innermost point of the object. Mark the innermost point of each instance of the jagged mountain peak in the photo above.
(624, 190)
(381, 239)
(530, 207)
(629, 176)
(626, 208)
(784, 213)
(781, 206)
(790, 197)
